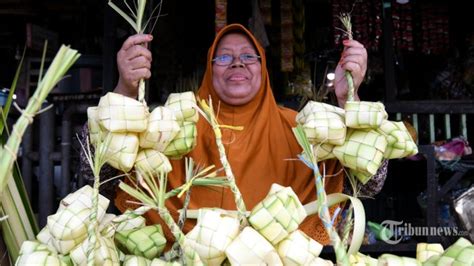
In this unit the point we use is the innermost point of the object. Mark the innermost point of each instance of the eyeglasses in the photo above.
(227, 59)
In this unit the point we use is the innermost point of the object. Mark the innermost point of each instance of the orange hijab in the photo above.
(261, 154)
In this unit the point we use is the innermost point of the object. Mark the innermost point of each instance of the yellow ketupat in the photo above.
(184, 106)
(279, 214)
(212, 234)
(122, 150)
(35, 253)
(399, 141)
(322, 123)
(392, 260)
(93, 124)
(424, 251)
(105, 252)
(364, 114)
(362, 151)
(323, 151)
(249, 247)
(298, 249)
(119, 113)
(162, 128)
(68, 226)
(152, 161)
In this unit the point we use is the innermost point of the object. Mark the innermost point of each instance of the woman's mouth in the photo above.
(237, 77)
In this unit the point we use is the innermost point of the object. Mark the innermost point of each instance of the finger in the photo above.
(135, 40)
(138, 51)
(355, 58)
(352, 67)
(140, 62)
(354, 51)
(352, 43)
(142, 73)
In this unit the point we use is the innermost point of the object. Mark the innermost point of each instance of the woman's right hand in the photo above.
(134, 63)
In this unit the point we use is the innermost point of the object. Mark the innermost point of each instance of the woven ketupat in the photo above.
(147, 241)
(162, 128)
(279, 214)
(212, 234)
(400, 143)
(122, 150)
(362, 151)
(298, 249)
(152, 161)
(36, 253)
(184, 106)
(249, 247)
(323, 151)
(93, 124)
(118, 113)
(322, 123)
(364, 114)
(68, 226)
(184, 141)
(105, 252)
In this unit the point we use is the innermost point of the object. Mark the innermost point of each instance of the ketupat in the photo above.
(364, 114)
(322, 123)
(299, 249)
(118, 114)
(161, 130)
(279, 214)
(249, 247)
(146, 241)
(424, 251)
(212, 234)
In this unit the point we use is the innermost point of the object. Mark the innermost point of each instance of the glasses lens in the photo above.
(223, 60)
(248, 58)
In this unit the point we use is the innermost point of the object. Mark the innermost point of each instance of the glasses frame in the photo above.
(215, 59)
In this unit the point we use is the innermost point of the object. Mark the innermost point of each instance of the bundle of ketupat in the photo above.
(64, 240)
(369, 137)
(138, 137)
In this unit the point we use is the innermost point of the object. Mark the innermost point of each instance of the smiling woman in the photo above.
(239, 81)
(265, 151)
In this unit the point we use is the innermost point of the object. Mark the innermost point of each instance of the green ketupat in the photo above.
(118, 113)
(249, 247)
(362, 151)
(298, 249)
(322, 123)
(399, 141)
(279, 214)
(212, 234)
(162, 128)
(323, 151)
(147, 241)
(184, 141)
(364, 114)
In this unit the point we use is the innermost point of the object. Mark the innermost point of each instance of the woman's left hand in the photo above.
(353, 59)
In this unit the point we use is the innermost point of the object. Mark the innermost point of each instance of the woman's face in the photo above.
(236, 83)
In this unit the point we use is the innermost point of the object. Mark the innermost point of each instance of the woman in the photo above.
(261, 154)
